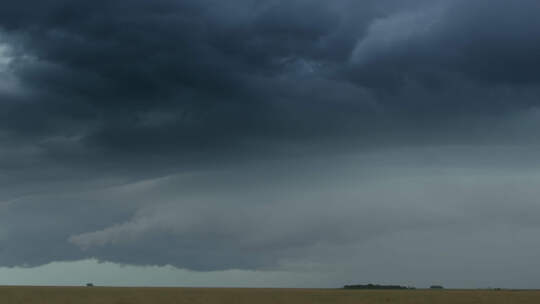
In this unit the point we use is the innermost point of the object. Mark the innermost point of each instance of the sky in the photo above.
(270, 143)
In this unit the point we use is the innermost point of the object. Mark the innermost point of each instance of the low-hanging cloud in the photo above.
(262, 134)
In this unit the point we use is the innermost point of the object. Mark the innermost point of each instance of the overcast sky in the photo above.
(298, 143)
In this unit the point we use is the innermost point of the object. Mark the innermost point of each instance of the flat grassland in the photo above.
(104, 295)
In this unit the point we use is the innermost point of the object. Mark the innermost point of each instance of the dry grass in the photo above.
(98, 295)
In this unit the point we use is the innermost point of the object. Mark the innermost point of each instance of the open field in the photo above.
(100, 295)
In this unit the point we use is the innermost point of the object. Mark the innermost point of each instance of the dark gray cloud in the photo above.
(452, 41)
(212, 135)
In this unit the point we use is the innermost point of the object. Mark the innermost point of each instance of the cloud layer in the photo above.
(263, 134)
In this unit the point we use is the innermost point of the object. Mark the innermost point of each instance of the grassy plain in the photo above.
(103, 295)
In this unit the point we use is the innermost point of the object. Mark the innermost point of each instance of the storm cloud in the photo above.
(265, 135)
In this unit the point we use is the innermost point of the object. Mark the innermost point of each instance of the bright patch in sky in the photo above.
(111, 274)
(7, 79)
(5, 58)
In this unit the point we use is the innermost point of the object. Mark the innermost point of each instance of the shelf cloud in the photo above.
(268, 135)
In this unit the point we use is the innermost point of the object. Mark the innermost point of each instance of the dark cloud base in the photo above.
(134, 132)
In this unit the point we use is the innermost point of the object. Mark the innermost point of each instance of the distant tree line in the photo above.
(376, 286)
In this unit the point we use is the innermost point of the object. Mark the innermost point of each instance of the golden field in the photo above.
(105, 295)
